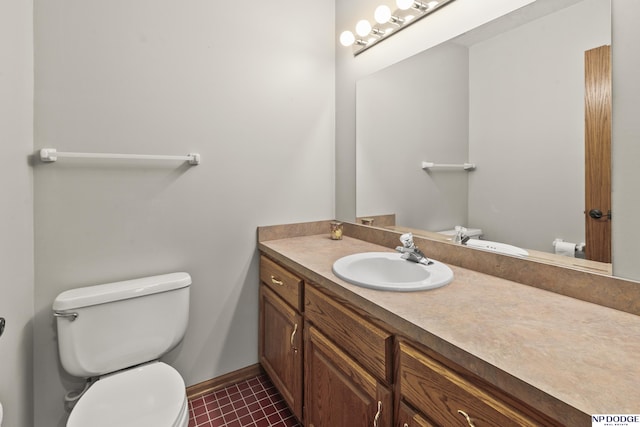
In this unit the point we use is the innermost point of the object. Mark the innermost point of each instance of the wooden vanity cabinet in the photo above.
(338, 391)
(336, 366)
(280, 335)
(347, 369)
(367, 343)
(449, 397)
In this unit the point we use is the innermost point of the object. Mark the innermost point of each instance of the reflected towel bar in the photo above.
(465, 166)
(51, 155)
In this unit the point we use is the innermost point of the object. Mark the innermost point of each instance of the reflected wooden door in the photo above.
(598, 154)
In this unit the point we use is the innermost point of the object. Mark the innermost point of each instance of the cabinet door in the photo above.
(407, 417)
(338, 391)
(280, 347)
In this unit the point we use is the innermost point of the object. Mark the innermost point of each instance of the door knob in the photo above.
(2, 324)
(597, 214)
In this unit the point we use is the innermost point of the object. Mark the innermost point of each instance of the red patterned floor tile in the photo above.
(251, 403)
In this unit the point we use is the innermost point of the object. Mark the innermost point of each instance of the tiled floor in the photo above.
(251, 403)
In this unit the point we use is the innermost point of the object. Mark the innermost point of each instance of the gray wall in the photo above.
(415, 111)
(248, 87)
(526, 129)
(16, 211)
(625, 197)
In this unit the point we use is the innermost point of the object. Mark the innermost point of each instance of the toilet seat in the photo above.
(147, 395)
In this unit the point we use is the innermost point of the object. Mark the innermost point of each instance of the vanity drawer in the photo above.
(284, 283)
(448, 398)
(369, 345)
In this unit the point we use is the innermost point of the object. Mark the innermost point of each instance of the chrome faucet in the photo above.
(461, 235)
(410, 251)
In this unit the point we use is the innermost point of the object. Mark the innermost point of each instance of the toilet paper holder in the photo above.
(579, 246)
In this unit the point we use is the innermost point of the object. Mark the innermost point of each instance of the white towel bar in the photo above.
(51, 155)
(465, 166)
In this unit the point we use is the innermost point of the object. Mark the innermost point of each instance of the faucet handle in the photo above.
(407, 240)
(460, 229)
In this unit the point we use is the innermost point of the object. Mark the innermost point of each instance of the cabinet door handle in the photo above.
(276, 281)
(293, 335)
(464, 414)
(377, 417)
(405, 425)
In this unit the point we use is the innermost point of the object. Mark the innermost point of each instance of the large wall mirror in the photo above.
(509, 97)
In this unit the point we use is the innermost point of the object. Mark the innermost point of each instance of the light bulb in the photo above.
(404, 4)
(363, 28)
(382, 14)
(347, 38)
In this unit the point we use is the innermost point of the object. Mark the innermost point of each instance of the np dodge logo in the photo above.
(615, 420)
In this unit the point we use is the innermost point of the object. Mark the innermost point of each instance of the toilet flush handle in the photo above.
(72, 315)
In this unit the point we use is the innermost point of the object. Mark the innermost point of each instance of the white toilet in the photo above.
(116, 332)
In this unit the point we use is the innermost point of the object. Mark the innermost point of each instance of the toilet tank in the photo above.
(105, 328)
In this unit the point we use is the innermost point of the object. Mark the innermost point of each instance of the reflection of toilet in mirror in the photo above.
(472, 237)
(114, 335)
(473, 233)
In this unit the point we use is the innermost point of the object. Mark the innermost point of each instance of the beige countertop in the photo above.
(566, 357)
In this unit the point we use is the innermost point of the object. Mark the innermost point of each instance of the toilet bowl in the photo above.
(115, 334)
(148, 395)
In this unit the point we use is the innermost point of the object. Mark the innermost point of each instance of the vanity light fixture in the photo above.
(418, 5)
(363, 28)
(382, 14)
(387, 23)
(404, 4)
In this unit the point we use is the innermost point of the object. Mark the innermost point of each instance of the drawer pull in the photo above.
(377, 417)
(276, 281)
(405, 425)
(464, 414)
(293, 335)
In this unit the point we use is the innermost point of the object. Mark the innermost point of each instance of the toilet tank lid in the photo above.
(109, 292)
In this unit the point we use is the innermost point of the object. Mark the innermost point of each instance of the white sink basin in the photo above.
(387, 271)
